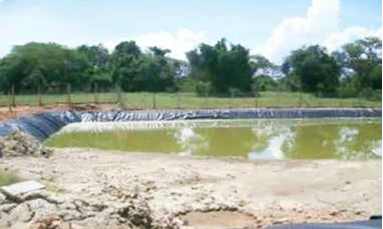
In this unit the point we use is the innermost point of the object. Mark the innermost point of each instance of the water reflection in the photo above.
(190, 141)
(253, 139)
(271, 146)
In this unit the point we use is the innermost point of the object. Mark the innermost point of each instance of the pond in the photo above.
(253, 139)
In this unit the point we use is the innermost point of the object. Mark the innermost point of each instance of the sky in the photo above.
(272, 28)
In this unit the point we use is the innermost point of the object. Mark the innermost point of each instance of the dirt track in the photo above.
(95, 189)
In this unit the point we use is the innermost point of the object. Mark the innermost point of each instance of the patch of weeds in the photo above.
(7, 178)
(54, 188)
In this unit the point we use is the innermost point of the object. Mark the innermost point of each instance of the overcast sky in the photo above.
(269, 27)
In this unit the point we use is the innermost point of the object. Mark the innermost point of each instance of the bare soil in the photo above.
(24, 110)
(89, 188)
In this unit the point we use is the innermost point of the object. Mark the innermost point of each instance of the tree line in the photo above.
(220, 69)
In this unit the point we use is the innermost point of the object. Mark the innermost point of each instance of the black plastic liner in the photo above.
(370, 224)
(43, 125)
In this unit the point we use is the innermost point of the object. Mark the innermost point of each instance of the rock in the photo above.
(280, 220)
(7, 207)
(21, 213)
(334, 213)
(19, 144)
(358, 212)
(259, 221)
(47, 222)
(17, 189)
(3, 198)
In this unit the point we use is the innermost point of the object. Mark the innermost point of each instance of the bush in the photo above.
(374, 95)
(202, 88)
(347, 91)
(186, 84)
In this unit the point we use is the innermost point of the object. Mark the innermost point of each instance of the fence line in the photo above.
(178, 100)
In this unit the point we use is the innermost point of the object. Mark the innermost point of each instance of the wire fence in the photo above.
(178, 100)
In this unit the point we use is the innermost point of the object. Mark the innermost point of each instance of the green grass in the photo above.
(7, 178)
(144, 100)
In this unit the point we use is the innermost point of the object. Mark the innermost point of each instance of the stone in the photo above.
(22, 187)
(3, 198)
(280, 220)
(7, 207)
(21, 213)
(19, 144)
(334, 213)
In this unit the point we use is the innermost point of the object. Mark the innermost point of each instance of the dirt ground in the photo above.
(89, 188)
(24, 110)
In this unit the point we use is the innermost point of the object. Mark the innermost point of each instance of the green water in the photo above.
(253, 139)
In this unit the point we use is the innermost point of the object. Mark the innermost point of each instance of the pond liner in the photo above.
(43, 125)
(373, 223)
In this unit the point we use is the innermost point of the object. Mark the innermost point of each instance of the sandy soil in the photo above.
(24, 110)
(96, 189)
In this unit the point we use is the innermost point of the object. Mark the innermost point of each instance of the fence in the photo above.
(146, 100)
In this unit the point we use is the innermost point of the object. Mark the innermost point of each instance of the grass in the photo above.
(144, 100)
(54, 188)
(7, 178)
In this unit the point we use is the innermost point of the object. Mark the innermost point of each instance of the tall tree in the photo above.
(99, 68)
(364, 58)
(125, 62)
(311, 69)
(264, 72)
(135, 70)
(224, 67)
(49, 63)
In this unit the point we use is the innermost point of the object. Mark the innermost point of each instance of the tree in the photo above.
(135, 70)
(75, 67)
(125, 63)
(311, 69)
(98, 59)
(97, 56)
(265, 83)
(363, 58)
(264, 73)
(224, 67)
(36, 65)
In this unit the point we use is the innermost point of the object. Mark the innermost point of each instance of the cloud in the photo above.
(320, 20)
(336, 40)
(21, 25)
(180, 42)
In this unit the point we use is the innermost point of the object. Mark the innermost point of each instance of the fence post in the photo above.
(13, 99)
(154, 100)
(206, 99)
(255, 100)
(9, 102)
(178, 100)
(118, 93)
(40, 100)
(95, 91)
(231, 99)
(300, 99)
(68, 91)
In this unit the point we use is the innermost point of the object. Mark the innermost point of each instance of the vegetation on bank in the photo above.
(7, 178)
(222, 70)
